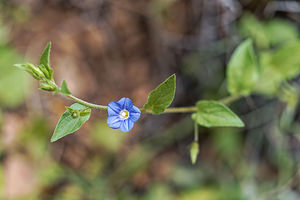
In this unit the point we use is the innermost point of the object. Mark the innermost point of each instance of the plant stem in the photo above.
(226, 100)
(196, 132)
(229, 99)
(85, 103)
(174, 110)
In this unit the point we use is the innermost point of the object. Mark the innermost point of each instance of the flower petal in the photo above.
(113, 108)
(114, 122)
(135, 109)
(126, 125)
(125, 103)
(135, 113)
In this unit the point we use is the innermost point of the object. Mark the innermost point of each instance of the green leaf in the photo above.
(64, 88)
(161, 97)
(250, 26)
(68, 123)
(276, 67)
(45, 60)
(286, 60)
(45, 57)
(215, 114)
(242, 70)
(270, 85)
(279, 31)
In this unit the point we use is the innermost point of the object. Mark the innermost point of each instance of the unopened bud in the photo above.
(194, 151)
(73, 113)
(45, 71)
(47, 87)
(36, 72)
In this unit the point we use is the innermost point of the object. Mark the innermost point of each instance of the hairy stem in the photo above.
(174, 110)
(226, 100)
(85, 103)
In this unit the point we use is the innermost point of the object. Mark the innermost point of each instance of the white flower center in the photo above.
(124, 114)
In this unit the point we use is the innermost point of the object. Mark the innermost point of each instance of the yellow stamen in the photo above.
(124, 114)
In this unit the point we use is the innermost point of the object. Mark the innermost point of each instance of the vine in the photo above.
(243, 78)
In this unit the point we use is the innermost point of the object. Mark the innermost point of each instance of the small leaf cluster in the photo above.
(76, 114)
(276, 60)
(271, 68)
(42, 72)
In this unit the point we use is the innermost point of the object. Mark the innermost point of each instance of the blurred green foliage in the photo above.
(109, 139)
(242, 70)
(14, 85)
(267, 33)
(278, 45)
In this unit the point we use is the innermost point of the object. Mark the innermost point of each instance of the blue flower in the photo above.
(122, 114)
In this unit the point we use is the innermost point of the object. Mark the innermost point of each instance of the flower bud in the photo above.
(35, 72)
(45, 71)
(47, 87)
(194, 151)
(74, 113)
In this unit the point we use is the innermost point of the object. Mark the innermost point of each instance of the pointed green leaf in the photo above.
(68, 124)
(64, 88)
(45, 60)
(161, 97)
(242, 70)
(45, 57)
(215, 114)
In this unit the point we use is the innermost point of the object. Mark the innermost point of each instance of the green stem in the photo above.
(85, 109)
(85, 103)
(173, 110)
(229, 99)
(226, 100)
(196, 132)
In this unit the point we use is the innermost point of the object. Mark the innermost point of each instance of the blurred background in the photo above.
(108, 49)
